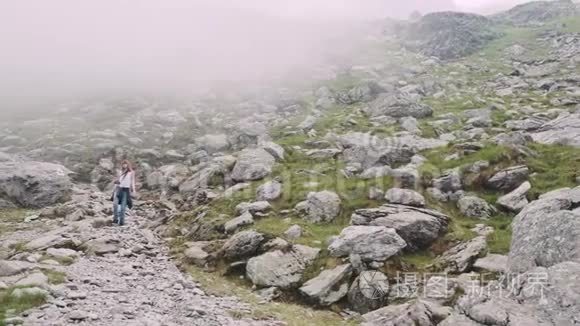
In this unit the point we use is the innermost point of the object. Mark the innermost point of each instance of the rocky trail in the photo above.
(127, 278)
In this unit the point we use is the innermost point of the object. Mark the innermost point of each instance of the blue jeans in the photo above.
(120, 205)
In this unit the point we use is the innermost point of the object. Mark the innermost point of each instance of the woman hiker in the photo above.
(123, 191)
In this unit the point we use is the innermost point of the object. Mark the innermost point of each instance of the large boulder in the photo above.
(545, 233)
(405, 197)
(282, 269)
(213, 143)
(508, 179)
(253, 164)
(516, 200)
(563, 130)
(329, 286)
(369, 291)
(371, 243)
(242, 244)
(449, 35)
(418, 227)
(472, 206)
(398, 106)
(34, 184)
(323, 206)
(208, 176)
(460, 259)
(417, 312)
(270, 190)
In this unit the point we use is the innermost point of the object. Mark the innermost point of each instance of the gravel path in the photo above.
(135, 284)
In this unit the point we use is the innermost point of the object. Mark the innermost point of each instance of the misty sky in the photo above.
(71, 46)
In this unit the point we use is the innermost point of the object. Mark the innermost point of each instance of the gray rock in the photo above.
(238, 222)
(411, 125)
(253, 164)
(544, 234)
(270, 190)
(563, 130)
(242, 244)
(376, 172)
(418, 227)
(460, 259)
(508, 179)
(371, 243)
(516, 200)
(475, 207)
(37, 279)
(450, 181)
(492, 262)
(405, 197)
(294, 232)
(329, 286)
(13, 267)
(416, 312)
(100, 247)
(258, 207)
(398, 106)
(323, 206)
(369, 291)
(196, 254)
(283, 269)
(211, 175)
(62, 253)
(213, 143)
(274, 149)
(34, 184)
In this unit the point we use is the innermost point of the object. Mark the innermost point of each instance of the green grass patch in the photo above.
(54, 277)
(500, 240)
(555, 166)
(291, 313)
(11, 306)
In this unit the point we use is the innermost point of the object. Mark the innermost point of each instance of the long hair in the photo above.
(129, 166)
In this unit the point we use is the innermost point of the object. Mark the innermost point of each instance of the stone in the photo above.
(564, 130)
(398, 106)
(62, 253)
(369, 291)
(282, 269)
(77, 315)
(274, 149)
(13, 267)
(516, 200)
(460, 259)
(371, 243)
(415, 312)
(100, 247)
(37, 279)
(418, 227)
(269, 191)
(35, 184)
(475, 207)
(238, 222)
(259, 207)
(544, 234)
(329, 286)
(213, 143)
(405, 197)
(253, 164)
(323, 206)
(492, 263)
(450, 181)
(508, 179)
(294, 232)
(242, 244)
(196, 254)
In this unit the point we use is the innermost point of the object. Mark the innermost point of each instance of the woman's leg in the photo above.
(124, 195)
